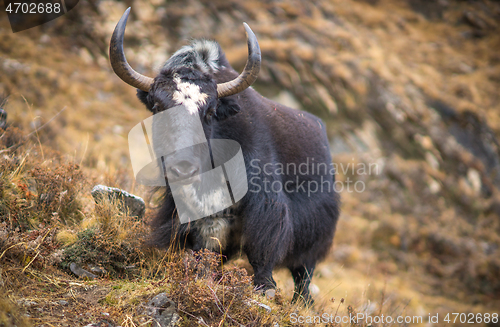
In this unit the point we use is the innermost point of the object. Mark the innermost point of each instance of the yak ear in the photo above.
(143, 96)
(227, 108)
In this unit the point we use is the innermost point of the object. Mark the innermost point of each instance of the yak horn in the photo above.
(249, 74)
(119, 62)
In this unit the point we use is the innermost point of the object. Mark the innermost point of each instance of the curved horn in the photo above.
(249, 74)
(119, 62)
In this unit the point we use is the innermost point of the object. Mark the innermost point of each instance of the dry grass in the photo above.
(10, 315)
(36, 192)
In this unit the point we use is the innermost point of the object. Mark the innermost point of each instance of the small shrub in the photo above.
(110, 238)
(57, 191)
(33, 190)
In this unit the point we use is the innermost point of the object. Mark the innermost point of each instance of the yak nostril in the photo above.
(176, 171)
(192, 171)
(184, 169)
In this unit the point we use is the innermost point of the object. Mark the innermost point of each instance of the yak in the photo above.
(288, 216)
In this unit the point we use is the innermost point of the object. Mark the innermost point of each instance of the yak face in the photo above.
(184, 102)
(186, 91)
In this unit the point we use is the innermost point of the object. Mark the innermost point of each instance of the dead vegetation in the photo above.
(10, 315)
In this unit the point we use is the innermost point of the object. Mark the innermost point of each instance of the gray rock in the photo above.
(257, 303)
(270, 294)
(97, 270)
(27, 303)
(264, 306)
(3, 118)
(162, 310)
(102, 323)
(62, 302)
(80, 272)
(133, 204)
(314, 289)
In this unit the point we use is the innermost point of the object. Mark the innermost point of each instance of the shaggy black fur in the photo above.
(288, 228)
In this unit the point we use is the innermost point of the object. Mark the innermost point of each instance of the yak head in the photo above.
(189, 96)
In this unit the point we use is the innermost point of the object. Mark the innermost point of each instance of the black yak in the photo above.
(288, 216)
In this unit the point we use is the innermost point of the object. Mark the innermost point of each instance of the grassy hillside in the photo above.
(409, 87)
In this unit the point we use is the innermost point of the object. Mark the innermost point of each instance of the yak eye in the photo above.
(210, 114)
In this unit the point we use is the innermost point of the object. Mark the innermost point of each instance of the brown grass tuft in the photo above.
(10, 314)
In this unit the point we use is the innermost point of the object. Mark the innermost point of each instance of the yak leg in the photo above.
(263, 274)
(302, 278)
(268, 234)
